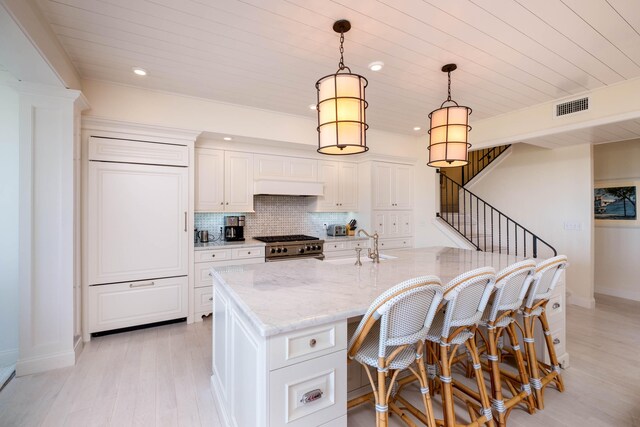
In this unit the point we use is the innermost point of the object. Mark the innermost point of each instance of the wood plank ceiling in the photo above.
(268, 54)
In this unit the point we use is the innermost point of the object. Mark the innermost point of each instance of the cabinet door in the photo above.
(392, 224)
(269, 167)
(209, 180)
(382, 175)
(348, 187)
(329, 174)
(238, 182)
(299, 169)
(403, 187)
(406, 224)
(136, 222)
(379, 223)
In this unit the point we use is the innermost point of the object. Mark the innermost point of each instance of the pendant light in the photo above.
(341, 107)
(449, 131)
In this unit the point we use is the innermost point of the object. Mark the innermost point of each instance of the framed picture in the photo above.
(614, 203)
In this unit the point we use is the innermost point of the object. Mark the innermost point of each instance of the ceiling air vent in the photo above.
(571, 107)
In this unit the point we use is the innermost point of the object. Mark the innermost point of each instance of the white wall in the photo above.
(9, 290)
(548, 191)
(617, 246)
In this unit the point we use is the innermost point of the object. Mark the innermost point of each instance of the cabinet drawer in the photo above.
(203, 274)
(203, 300)
(401, 242)
(213, 255)
(323, 377)
(335, 246)
(254, 252)
(121, 150)
(136, 303)
(358, 244)
(338, 422)
(305, 344)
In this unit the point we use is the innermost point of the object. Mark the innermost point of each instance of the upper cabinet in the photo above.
(340, 181)
(392, 186)
(283, 167)
(224, 181)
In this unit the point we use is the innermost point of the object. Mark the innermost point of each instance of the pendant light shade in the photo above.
(449, 132)
(341, 107)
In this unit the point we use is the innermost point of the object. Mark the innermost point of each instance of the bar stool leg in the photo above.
(382, 409)
(555, 366)
(496, 379)
(522, 371)
(482, 389)
(447, 389)
(424, 386)
(532, 359)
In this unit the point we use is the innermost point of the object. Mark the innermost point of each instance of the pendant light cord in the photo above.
(341, 63)
(449, 87)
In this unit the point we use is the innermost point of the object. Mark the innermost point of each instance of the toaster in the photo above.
(336, 230)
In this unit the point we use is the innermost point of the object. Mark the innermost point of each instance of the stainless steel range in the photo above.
(294, 246)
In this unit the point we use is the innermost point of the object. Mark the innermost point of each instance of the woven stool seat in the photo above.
(368, 353)
(435, 332)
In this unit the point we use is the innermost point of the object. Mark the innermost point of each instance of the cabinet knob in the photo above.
(222, 203)
(213, 255)
(556, 305)
(312, 342)
(248, 252)
(210, 275)
(210, 298)
(227, 202)
(556, 341)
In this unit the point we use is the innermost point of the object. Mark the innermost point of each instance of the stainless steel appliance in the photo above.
(234, 228)
(336, 230)
(290, 247)
(204, 236)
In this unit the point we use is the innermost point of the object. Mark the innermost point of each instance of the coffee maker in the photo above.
(234, 228)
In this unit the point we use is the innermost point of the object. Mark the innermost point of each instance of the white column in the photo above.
(47, 217)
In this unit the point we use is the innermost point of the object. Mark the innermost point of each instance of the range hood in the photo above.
(287, 188)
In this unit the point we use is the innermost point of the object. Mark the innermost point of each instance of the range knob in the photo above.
(308, 247)
(273, 250)
(284, 250)
(317, 248)
(301, 250)
(279, 250)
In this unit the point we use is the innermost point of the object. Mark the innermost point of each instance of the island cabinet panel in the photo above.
(306, 380)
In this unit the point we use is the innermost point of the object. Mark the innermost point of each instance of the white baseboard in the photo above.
(34, 365)
(589, 303)
(78, 346)
(620, 293)
(8, 357)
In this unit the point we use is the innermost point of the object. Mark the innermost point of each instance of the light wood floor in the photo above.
(160, 377)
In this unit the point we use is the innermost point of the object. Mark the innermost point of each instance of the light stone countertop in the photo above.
(248, 243)
(284, 296)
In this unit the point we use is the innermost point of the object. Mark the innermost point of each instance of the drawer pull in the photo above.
(311, 396)
(556, 341)
(248, 252)
(312, 342)
(210, 298)
(213, 255)
(141, 285)
(210, 275)
(556, 306)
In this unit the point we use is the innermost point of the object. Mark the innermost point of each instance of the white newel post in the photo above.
(49, 220)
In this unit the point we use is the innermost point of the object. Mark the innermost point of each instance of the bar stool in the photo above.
(544, 282)
(466, 297)
(512, 284)
(404, 314)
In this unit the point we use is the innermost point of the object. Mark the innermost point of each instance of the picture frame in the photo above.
(615, 204)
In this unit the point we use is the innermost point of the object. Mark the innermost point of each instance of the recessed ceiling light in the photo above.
(417, 128)
(227, 138)
(376, 66)
(312, 106)
(139, 71)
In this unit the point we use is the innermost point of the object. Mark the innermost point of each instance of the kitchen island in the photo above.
(280, 330)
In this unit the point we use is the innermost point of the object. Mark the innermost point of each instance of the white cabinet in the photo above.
(207, 259)
(137, 222)
(284, 167)
(392, 186)
(345, 248)
(340, 187)
(393, 223)
(224, 181)
(121, 305)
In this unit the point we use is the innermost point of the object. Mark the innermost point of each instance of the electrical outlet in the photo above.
(324, 226)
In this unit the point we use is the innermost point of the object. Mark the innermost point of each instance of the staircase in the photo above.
(480, 223)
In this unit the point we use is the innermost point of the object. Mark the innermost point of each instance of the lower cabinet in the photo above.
(294, 379)
(207, 259)
(127, 304)
(345, 248)
(397, 243)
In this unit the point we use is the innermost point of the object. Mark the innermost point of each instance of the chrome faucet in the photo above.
(375, 254)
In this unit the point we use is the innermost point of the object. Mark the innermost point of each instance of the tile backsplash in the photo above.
(276, 215)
